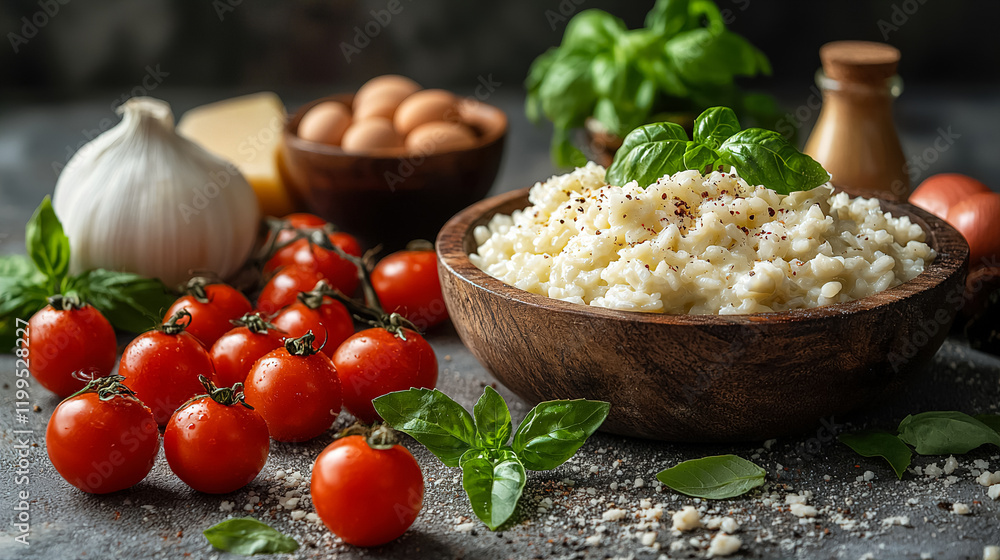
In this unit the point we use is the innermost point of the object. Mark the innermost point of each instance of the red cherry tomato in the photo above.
(299, 220)
(67, 344)
(977, 218)
(326, 317)
(236, 351)
(939, 193)
(212, 307)
(163, 366)
(215, 444)
(341, 273)
(374, 362)
(296, 391)
(285, 286)
(366, 496)
(102, 446)
(407, 283)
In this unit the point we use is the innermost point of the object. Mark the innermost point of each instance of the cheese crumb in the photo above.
(802, 510)
(901, 520)
(298, 515)
(594, 540)
(991, 553)
(932, 470)
(724, 545)
(994, 492)
(614, 514)
(950, 464)
(960, 508)
(465, 527)
(729, 525)
(648, 539)
(686, 519)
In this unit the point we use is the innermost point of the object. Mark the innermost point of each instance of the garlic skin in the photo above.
(140, 198)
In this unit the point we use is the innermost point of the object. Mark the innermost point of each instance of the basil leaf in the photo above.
(554, 430)
(765, 157)
(648, 153)
(493, 480)
(715, 126)
(492, 416)
(129, 301)
(945, 432)
(593, 31)
(433, 419)
(880, 444)
(668, 17)
(47, 245)
(19, 299)
(991, 420)
(18, 267)
(715, 478)
(247, 536)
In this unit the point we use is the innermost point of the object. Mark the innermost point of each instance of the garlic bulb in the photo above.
(139, 198)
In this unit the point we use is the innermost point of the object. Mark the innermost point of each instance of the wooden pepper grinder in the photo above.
(855, 138)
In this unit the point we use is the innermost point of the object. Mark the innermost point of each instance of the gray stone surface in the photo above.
(562, 513)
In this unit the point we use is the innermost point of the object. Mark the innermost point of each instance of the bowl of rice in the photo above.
(701, 307)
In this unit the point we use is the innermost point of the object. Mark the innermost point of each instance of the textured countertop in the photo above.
(570, 512)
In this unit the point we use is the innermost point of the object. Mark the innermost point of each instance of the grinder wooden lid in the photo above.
(859, 61)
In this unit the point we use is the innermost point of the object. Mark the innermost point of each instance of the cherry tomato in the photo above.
(407, 283)
(236, 351)
(341, 273)
(212, 307)
(977, 218)
(285, 286)
(326, 317)
(374, 362)
(162, 367)
(296, 390)
(216, 444)
(939, 193)
(299, 220)
(69, 344)
(366, 496)
(102, 445)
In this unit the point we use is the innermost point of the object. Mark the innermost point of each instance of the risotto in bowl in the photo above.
(701, 307)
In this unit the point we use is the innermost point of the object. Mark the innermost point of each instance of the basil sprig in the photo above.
(715, 478)
(247, 536)
(683, 60)
(493, 471)
(129, 301)
(940, 432)
(760, 157)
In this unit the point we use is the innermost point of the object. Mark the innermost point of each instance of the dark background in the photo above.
(96, 45)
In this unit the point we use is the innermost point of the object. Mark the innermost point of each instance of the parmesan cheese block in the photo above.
(245, 131)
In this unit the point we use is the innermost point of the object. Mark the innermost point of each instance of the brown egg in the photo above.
(374, 134)
(424, 106)
(325, 123)
(380, 96)
(440, 136)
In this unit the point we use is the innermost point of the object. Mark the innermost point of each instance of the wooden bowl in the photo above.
(701, 377)
(392, 198)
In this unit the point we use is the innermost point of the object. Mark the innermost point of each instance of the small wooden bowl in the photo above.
(392, 198)
(701, 377)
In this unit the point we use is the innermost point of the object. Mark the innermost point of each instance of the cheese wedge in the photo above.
(245, 131)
